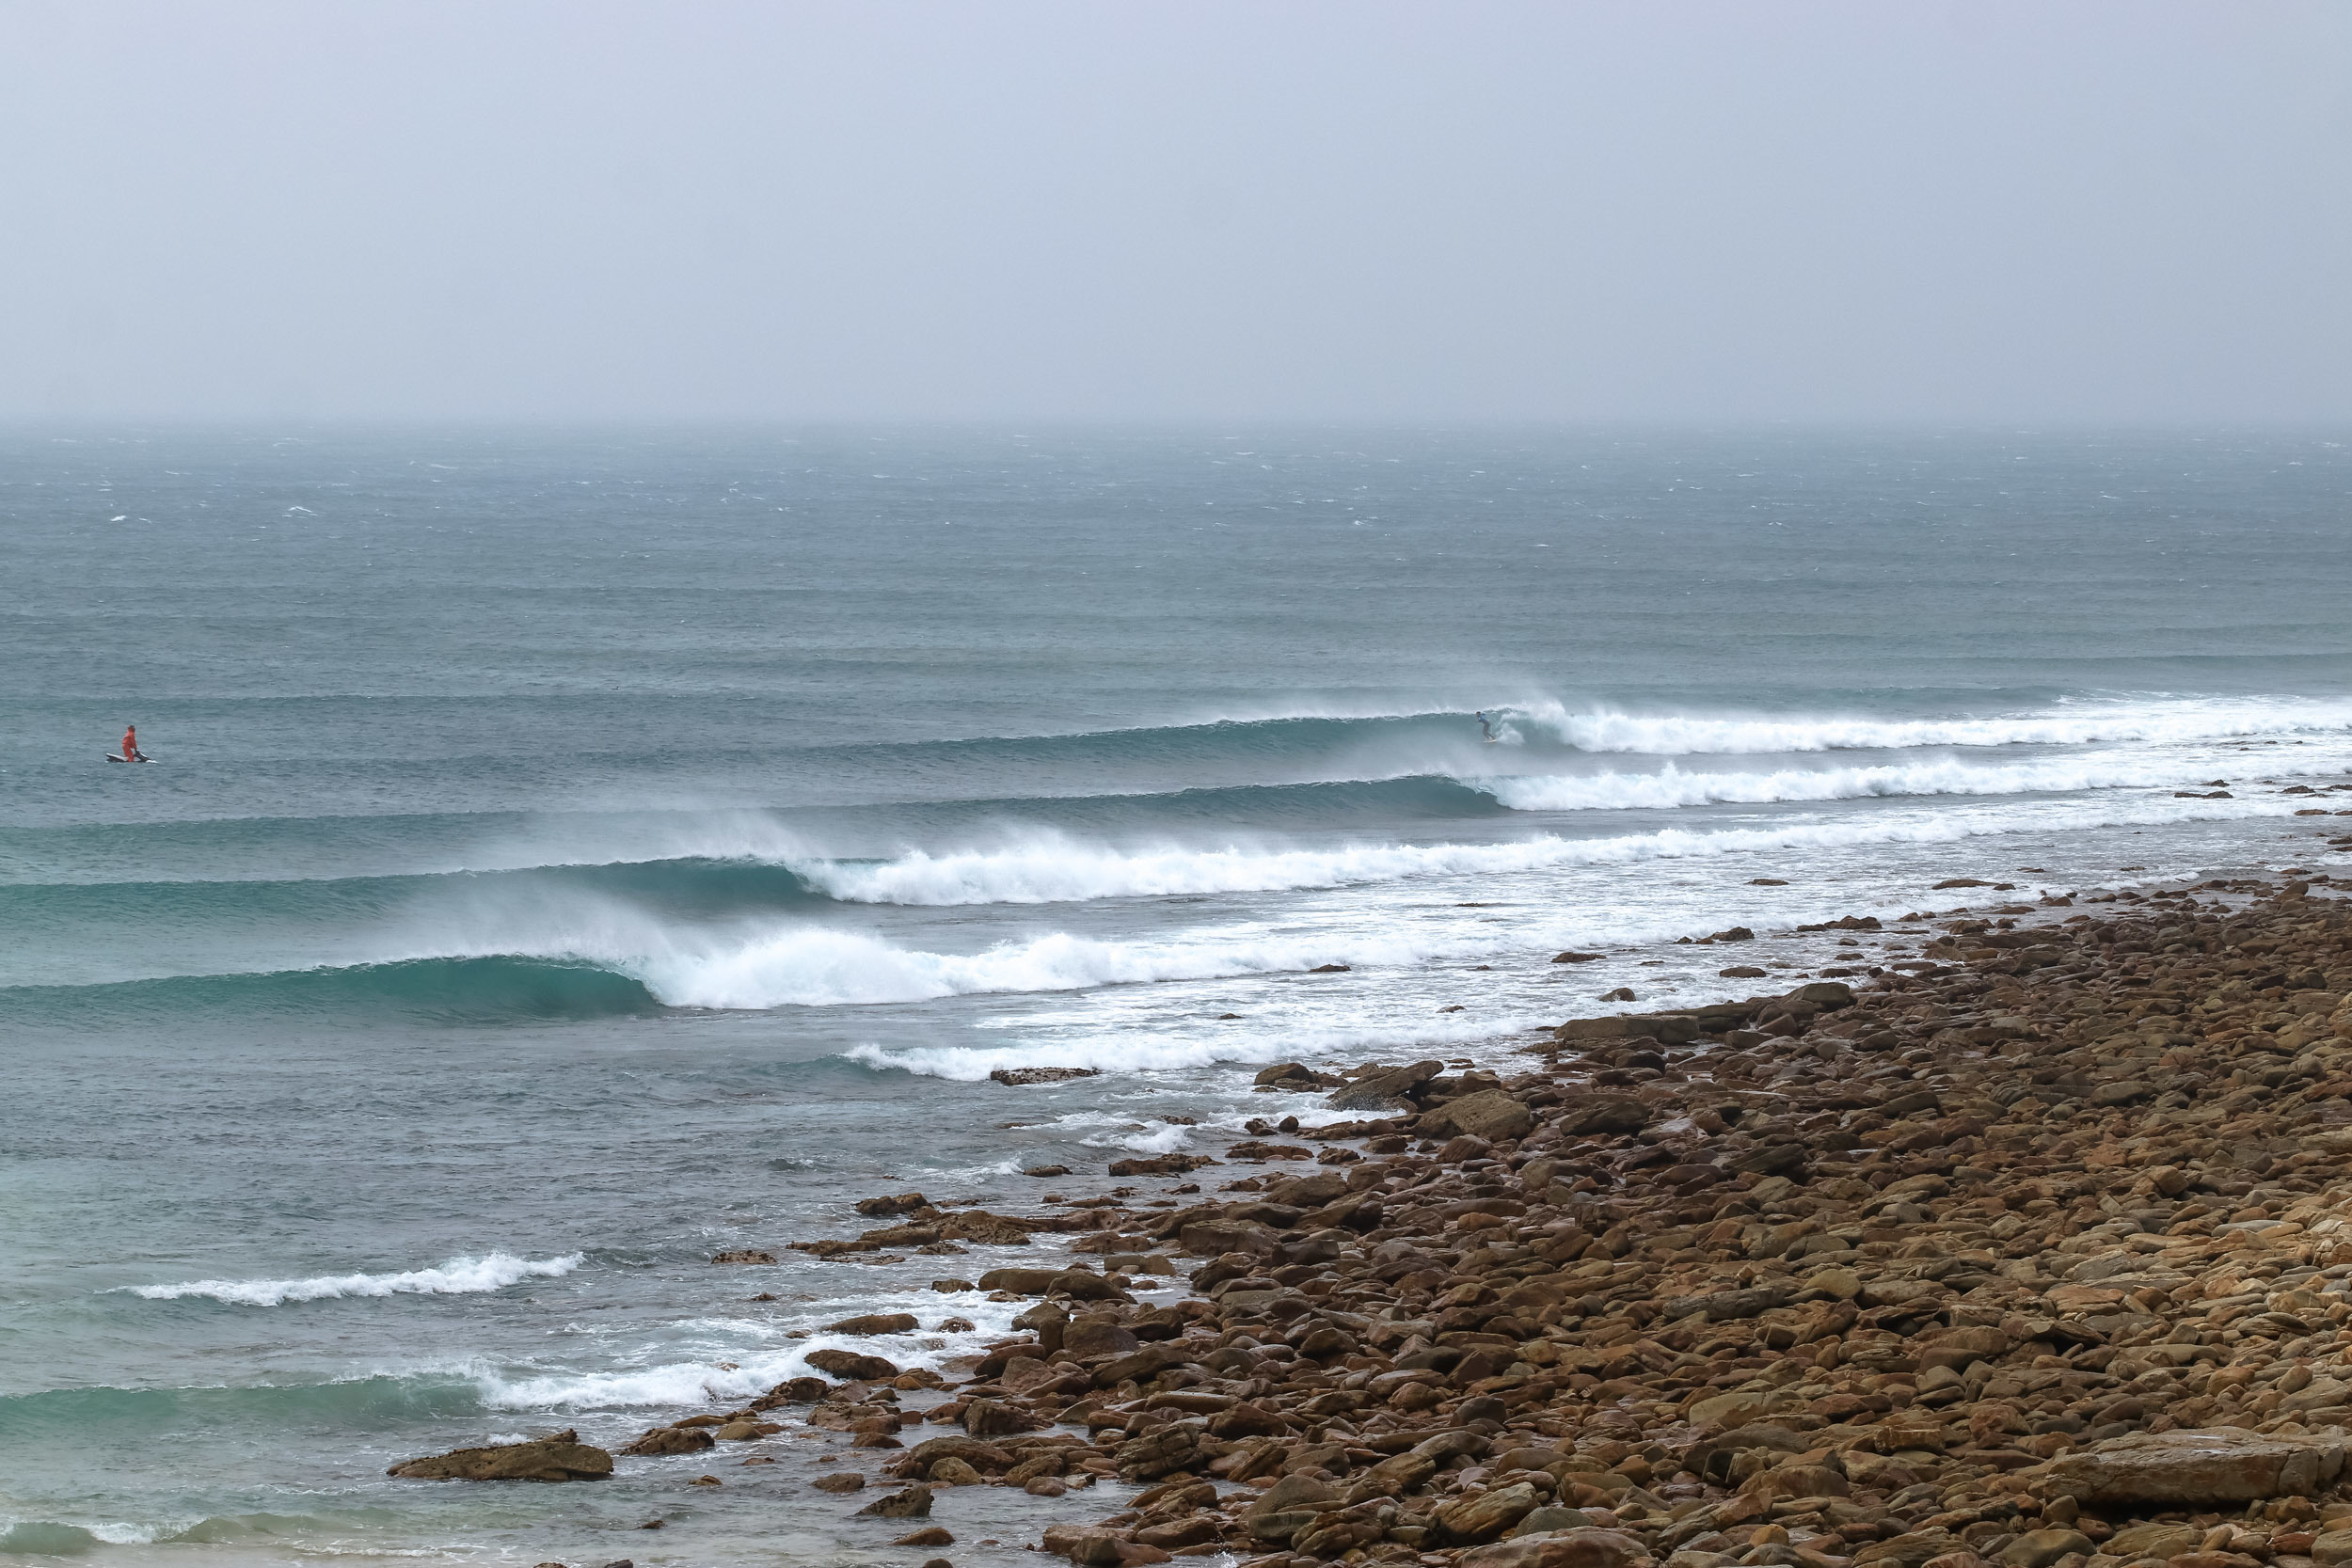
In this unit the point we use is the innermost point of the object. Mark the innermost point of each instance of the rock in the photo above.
(669, 1440)
(1573, 956)
(1287, 1506)
(1604, 1117)
(901, 1203)
(1721, 1305)
(1483, 1516)
(2039, 1549)
(2194, 1470)
(931, 1535)
(846, 1480)
(1160, 1165)
(1490, 1114)
(2158, 1541)
(851, 1366)
(2332, 1548)
(988, 1418)
(1176, 1447)
(955, 1472)
(1549, 1519)
(1047, 1170)
(914, 1502)
(1389, 1090)
(562, 1457)
(1587, 1548)
(743, 1255)
(1020, 1076)
(1018, 1282)
(875, 1322)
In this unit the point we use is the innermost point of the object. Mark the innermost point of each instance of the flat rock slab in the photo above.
(562, 1457)
(2194, 1470)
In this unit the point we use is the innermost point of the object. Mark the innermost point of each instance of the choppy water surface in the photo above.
(567, 857)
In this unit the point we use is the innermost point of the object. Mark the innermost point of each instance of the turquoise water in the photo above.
(568, 855)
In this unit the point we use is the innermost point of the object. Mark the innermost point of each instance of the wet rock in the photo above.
(1160, 1165)
(669, 1440)
(846, 1480)
(1158, 1453)
(912, 1503)
(1389, 1089)
(562, 1457)
(1020, 1076)
(1020, 1282)
(901, 1203)
(931, 1535)
(850, 1366)
(743, 1255)
(875, 1322)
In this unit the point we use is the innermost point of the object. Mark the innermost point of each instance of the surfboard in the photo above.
(117, 756)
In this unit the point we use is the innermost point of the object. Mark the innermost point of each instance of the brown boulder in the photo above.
(1604, 1116)
(914, 1502)
(1585, 1547)
(850, 1366)
(669, 1440)
(2196, 1469)
(1482, 1516)
(875, 1322)
(1489, 1114)
(562, 1457)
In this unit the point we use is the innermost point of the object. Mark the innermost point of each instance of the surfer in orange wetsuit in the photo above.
(130, 743)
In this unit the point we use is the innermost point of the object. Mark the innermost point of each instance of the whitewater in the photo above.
(561, 873)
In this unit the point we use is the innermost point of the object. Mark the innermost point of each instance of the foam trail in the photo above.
(458, 1276)
(1672, 786)
(2179, 720)
(1128, 1054)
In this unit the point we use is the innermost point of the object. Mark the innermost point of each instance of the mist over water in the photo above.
(569, 856)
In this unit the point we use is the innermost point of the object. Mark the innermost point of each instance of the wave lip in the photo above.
(458, 1276)
(2177, 720)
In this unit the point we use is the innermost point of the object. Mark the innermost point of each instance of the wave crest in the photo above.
(458, 1276)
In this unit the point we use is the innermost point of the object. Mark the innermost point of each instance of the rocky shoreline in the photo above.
(2030, 1246)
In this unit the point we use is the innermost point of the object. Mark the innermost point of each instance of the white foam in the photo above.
(1256, 1042)
(1671, 787)
(688, 1384)
(2176, 720)
(1165, 1139)
(458, 1276)
(1049, 868)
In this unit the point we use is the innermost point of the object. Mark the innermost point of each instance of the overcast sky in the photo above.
(1015, 211)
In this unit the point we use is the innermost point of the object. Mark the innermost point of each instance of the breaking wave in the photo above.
(2175, 721)
(458, 1276)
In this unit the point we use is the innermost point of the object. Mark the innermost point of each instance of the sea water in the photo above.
(569, 856)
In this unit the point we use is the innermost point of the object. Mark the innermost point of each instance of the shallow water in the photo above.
(570, 856)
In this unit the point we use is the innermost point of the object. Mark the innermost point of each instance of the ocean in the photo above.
(568, 855)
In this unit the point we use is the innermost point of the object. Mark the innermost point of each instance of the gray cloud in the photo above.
(1197, 210)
